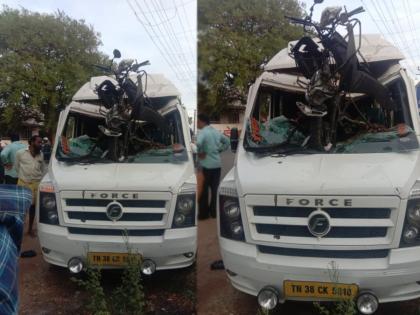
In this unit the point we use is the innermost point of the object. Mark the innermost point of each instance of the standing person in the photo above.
(31, 168)
(210, 143)
(8, 157)
(46, 149)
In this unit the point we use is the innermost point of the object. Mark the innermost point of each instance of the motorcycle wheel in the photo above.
(114, 148)
(316, 132)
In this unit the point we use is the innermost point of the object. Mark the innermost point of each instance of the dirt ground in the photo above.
(216, 296)
(46, 289)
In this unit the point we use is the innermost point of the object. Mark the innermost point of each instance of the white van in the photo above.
(89, 209)
(299, 224)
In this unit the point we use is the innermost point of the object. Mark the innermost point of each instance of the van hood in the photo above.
(121, 177)
(323, 174)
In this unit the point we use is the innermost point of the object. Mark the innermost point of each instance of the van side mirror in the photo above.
(234, 138)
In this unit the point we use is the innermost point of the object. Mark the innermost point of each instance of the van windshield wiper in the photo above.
(284, 148)
(298, 150)
(85, 159)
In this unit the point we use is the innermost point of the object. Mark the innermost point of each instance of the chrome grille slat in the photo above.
(124, 203)
(101, 216)
(345, 254)
(342, 213)
(336, 232)
(334, 222)
(115, 232)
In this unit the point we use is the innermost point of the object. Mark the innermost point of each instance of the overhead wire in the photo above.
(181, 23)
(168, 42)
(154, 31)
(152, 38)
(399, 39)
(407, 8)
(174, 41)
(391, 13)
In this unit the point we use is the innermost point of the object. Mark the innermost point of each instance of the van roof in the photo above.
(374, 48)
(155, 85)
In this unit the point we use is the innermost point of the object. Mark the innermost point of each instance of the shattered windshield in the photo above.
(278, 124)
(83, 141)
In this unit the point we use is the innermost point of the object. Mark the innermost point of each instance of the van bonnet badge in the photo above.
(114, 211)
(319, 223)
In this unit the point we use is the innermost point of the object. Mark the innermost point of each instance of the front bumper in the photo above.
(167, 251)
(393, 278)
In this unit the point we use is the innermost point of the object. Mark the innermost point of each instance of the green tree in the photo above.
(235, 37)
(44, 59)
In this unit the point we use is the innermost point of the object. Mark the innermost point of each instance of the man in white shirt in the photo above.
(30, 168)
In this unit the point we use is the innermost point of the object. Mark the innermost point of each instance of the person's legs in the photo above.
(34, 188)
(31, 220)
(203, 203)
(200, 182)
(214, 185)
(10, 180)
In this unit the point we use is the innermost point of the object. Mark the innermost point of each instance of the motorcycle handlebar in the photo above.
(103, 68)
(135, 67)
(355, 11)
(298, 21)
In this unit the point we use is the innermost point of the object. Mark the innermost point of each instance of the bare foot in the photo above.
(32, 234)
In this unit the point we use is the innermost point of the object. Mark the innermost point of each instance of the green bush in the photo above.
(96, 298)
(128, 298)
(340, 307)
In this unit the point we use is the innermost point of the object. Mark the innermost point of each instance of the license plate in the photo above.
(336, 291)
(108, 259)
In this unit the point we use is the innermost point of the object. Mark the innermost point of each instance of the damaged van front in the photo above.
(331, 220)
(92, 207)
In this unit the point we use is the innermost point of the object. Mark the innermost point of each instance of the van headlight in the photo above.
(410, 233)
(184, 215)
(186, 203)
(413, 214)
(231, 209)
(48, 208)
(230, 215)
(48, 201)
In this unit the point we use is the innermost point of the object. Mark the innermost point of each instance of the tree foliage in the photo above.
(44, 59)
(235, 37)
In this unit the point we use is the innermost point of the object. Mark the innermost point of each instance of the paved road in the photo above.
(216, 296)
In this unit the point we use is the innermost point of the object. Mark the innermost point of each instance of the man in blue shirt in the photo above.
(14, 202)
(8, 157)
(210, 143)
